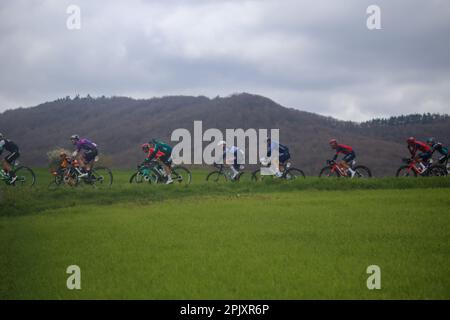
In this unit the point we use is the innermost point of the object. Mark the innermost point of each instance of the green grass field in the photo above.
(310, 239)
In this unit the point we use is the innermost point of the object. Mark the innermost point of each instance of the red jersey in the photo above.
(342, 148)
(419, 146)
(158, 154)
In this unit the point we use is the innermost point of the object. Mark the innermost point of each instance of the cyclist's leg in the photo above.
(425, 157)
(87, 160)
(235, 166)
(347, 160)
(8, 163)
(81, 158)
(9, 160)
(90, 165)
(91, 161)
(166, 162)
(284, 157)
(5, 165)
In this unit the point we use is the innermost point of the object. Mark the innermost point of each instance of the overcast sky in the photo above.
(316, 55)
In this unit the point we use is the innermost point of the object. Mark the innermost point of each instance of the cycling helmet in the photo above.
(145, 146)
(75, 137)
(431, 141)
(411, 140)
(333, 141)
(221, 143)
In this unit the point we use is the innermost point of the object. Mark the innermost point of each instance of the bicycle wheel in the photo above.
(362, 172)
(257, 176)
(25, 177)
(293, 174)
(216, 177)
(405, 171)
(138, 177)
(326, 172)
(100, 177)
(239, 176)
(70, 177)
(57, 182)
(181, 175)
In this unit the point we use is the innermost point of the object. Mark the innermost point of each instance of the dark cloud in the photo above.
(312, 55)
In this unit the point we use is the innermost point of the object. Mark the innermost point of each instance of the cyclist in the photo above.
(425, 151)
(161, 151)
(283, 155)
(439, 147)
(13, 155)
(89, 151)
(233, 154)
(349, 156)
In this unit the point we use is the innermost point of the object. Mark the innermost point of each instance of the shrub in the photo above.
(54, 157)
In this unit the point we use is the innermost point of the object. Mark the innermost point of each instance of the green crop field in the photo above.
(308, 239)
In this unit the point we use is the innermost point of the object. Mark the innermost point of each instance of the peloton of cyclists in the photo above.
(158, 150)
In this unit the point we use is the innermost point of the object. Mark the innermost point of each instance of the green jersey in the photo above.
(162, 147)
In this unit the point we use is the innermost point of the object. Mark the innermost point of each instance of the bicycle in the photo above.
(415, 167)
(223, 173)
(333, 169)
(287, 173)
(154, 172)
(70, 173)
(24, 176)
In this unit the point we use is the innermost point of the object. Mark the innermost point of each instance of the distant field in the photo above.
(308, 239)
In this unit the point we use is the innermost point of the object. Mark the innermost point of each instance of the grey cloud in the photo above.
(317, 56)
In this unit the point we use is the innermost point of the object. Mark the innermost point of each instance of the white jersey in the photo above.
(233, 152)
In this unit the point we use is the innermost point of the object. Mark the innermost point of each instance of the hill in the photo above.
(120, 124)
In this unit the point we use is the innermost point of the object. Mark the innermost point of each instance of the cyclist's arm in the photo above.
(338, 150)
(224, 157)
(77, 149)
(151, 156)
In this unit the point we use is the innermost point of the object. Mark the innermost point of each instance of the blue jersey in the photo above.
(281, 148)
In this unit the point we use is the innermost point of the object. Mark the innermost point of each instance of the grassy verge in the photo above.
(15, 201)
